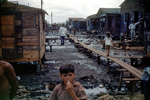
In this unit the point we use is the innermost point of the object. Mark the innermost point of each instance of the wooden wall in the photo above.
(22, 34)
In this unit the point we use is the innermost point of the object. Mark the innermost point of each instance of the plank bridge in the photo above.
(135, 74)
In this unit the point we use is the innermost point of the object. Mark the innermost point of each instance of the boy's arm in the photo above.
(12, 79)
(69, 88)
(81, 95)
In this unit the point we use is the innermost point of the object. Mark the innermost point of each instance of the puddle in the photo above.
(95, 91)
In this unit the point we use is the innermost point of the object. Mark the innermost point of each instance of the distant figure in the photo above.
(108, 42)
(70, 28)
(125, 31)
(74, 31)
(8, 81)
(132, 28)
(145, 78)
(69, 89)
(62, 33)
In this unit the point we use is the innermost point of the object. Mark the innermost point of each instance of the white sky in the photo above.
(63, 9)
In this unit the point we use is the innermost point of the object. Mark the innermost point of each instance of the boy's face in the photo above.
(67, 77)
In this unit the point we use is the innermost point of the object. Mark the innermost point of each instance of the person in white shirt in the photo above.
(108, 43)
(62, 34)
(70, 28)
(132, 28)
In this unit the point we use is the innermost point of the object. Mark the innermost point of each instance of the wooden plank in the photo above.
(122, 70)
(127, 57)
(7, 33)
(8, 43)
(17, 22)
(37, 21)
(7, 16)
(0, 52)
(8, 53)
(21, 59)
(7, 27)
(30, 43)
(30, 47)
(26, 39)
(18, 35)
(130, 79)
(30, 54)
(9, 21)
(32, 32)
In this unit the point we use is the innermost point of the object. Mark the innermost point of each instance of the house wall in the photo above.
(27, 34)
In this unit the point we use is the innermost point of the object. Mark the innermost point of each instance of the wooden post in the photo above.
(89, 54)
(130, 84)
(50, 48)
(119, 86)
(133, 86)
(98, 59)
(131, 61)
(108, 65)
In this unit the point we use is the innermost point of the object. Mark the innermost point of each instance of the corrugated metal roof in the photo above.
(75, 19)
(92, 16)
(109, 10)
(15, 2)
(24, 6)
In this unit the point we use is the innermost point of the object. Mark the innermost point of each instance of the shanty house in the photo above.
(134, 10)
(92, 23)
(22, 37)
(109, 20)
(77, 23)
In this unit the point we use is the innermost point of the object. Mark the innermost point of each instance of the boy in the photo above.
(8, 81)
(68, 89)
(145, 78)
(108, 43)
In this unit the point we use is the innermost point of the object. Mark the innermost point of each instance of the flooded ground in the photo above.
(89, 73)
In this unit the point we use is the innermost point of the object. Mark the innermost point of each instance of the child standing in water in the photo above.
(108, 42)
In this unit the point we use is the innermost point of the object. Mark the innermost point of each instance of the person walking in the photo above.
(70, 28)
(132, 28)
(62, 33)
(108, 42)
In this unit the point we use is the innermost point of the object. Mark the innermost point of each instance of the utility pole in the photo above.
(41, 3)
(51, 18)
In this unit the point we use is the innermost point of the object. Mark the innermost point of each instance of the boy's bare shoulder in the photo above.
(5, 64)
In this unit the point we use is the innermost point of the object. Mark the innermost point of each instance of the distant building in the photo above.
(77, 23)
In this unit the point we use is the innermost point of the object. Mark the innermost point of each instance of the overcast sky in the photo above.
(63, 9)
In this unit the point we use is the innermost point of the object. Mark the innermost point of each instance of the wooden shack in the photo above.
(134, 10)
(92, 23)
(22, 38)
(109, 20)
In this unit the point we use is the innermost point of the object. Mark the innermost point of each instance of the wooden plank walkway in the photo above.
(130, 68)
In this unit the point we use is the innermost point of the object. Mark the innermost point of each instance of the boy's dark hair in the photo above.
(146, 60)
(66, 69)
(108, 34)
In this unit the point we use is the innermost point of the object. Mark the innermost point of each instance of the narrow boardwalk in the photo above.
(137, 73)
